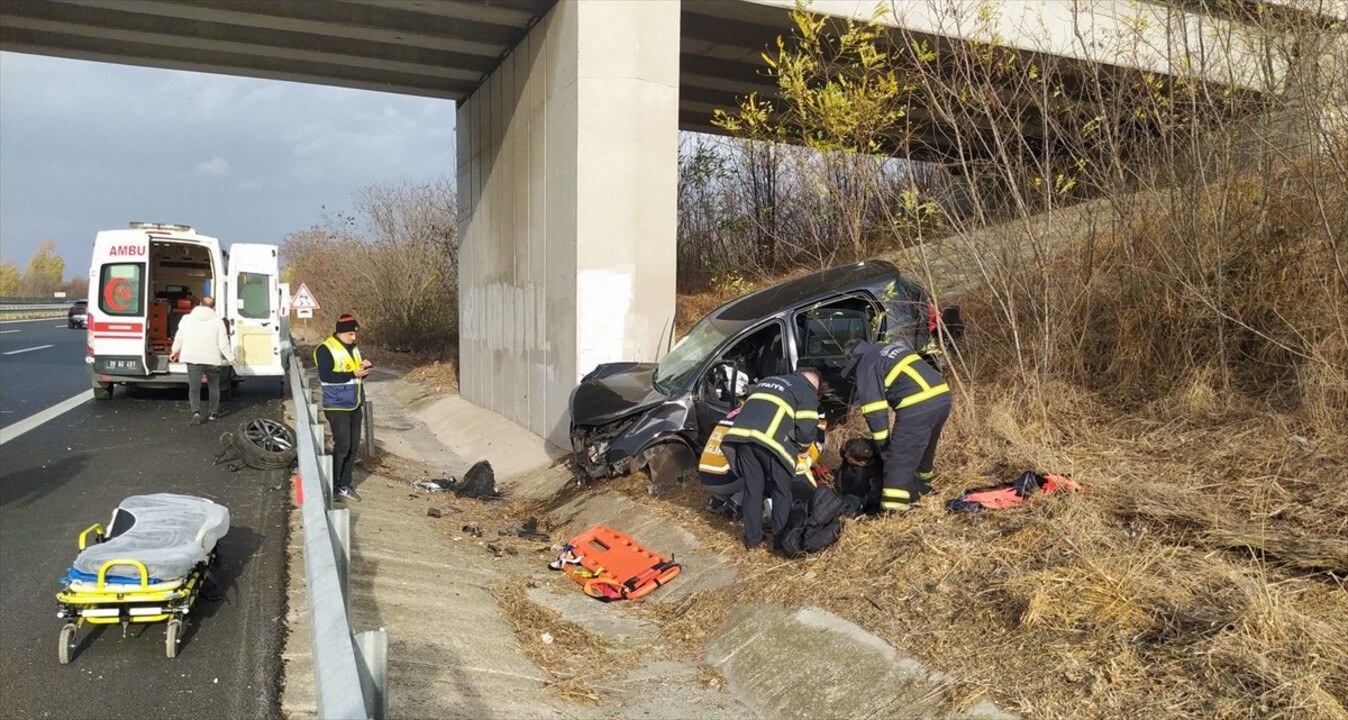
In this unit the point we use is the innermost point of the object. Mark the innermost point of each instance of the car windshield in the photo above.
(685, 358)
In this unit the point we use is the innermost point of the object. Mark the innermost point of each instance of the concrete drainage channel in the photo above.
(457, 646)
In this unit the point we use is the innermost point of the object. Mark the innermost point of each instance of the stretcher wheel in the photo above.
(171, 636)
(67, 645)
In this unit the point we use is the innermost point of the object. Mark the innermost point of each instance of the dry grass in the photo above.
(1201, 572)
(570, 654)
(437, 376)
(1199, 575)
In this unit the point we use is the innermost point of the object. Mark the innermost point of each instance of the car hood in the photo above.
(612, 391)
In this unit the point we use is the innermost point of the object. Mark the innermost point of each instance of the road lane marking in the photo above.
(11, 431)
(31, 349)
(16, 322)
(6, 332)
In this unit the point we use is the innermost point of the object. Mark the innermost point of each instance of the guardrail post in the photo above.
(369, 430)
(372, 662)
(340, 519)
(325, 469)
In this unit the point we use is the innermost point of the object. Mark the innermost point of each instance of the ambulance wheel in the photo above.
(172, 634)
(67, 646)
(102, 391)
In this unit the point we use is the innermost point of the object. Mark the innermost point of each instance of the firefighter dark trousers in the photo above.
(912, 449)
(762, 473)
(345, 441)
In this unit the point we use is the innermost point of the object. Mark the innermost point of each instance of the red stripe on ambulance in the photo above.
(118, 327)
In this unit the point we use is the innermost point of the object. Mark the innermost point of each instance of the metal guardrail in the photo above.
(36, 306)
(350, 669)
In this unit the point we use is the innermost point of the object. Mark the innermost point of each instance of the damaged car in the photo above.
(629, 416)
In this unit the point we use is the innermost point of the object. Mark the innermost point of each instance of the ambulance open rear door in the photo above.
(253, 307)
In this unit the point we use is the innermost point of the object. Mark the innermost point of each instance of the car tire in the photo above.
(102, 391)
(668, 465)
(265, 444)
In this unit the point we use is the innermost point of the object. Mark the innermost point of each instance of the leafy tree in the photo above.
(45, 271)
(9, 279)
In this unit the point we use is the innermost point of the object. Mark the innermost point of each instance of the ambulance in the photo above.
(144, 279)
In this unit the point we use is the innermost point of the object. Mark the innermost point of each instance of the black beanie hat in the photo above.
(347, 323)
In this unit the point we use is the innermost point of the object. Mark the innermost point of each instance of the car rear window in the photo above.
(121, 289)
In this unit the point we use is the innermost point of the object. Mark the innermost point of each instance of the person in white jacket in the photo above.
(203, 343)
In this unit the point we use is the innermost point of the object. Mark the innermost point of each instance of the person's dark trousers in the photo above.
(762, 471)
(912, 446)
(345, 442)
(194, 374)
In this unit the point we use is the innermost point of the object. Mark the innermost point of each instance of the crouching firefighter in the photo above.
(727, 489)
(778, 421)
(895, 377)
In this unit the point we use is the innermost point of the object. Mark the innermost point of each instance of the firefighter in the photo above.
(727, 489)
(894, 376)
(778, 421)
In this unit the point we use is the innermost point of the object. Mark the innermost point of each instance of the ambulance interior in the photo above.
(180, 275)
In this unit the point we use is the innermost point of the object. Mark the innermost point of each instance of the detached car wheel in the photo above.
(264, 443)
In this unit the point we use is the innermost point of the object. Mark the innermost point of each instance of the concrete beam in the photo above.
(38, 42)
(334, 19)
(280, 46)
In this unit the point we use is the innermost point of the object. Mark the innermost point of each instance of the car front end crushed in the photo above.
(617, 415)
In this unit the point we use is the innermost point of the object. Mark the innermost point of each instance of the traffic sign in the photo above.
(304, 313)
(304, 300)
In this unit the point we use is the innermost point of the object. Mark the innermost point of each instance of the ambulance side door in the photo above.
(253, 307)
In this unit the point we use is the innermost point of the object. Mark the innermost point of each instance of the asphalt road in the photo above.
(71, 472)
(41, 364)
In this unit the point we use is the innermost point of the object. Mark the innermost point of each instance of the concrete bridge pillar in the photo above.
(567, 175)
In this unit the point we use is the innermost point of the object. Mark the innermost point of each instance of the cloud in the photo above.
(92, 156)
(213, 168)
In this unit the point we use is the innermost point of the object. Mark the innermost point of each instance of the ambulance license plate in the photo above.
(120, 365)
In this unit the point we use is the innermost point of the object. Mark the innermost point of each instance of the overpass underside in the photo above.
(568, 118)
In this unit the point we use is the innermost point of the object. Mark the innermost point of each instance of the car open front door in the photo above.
(252, 307)
(822, 334)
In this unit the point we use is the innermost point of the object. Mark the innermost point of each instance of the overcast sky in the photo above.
(90, 146)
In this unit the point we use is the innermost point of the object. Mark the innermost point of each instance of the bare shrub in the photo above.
(393, 262)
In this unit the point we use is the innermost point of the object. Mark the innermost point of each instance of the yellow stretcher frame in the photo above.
(171, 602)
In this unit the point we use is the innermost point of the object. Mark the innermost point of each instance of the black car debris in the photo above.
(629, 416)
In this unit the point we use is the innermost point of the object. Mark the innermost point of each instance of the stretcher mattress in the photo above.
(169, 533)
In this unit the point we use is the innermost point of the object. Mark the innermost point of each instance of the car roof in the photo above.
(793, 293)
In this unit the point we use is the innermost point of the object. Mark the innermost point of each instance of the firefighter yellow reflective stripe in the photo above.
(916, 398)
(876, 406)
(894, 499)
(928, 391)
(766, 440)
(717, 468)
(926, 475)
(784, 405)
(807, 415)
(880, 435)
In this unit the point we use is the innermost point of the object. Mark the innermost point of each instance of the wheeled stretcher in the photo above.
(148, 566)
